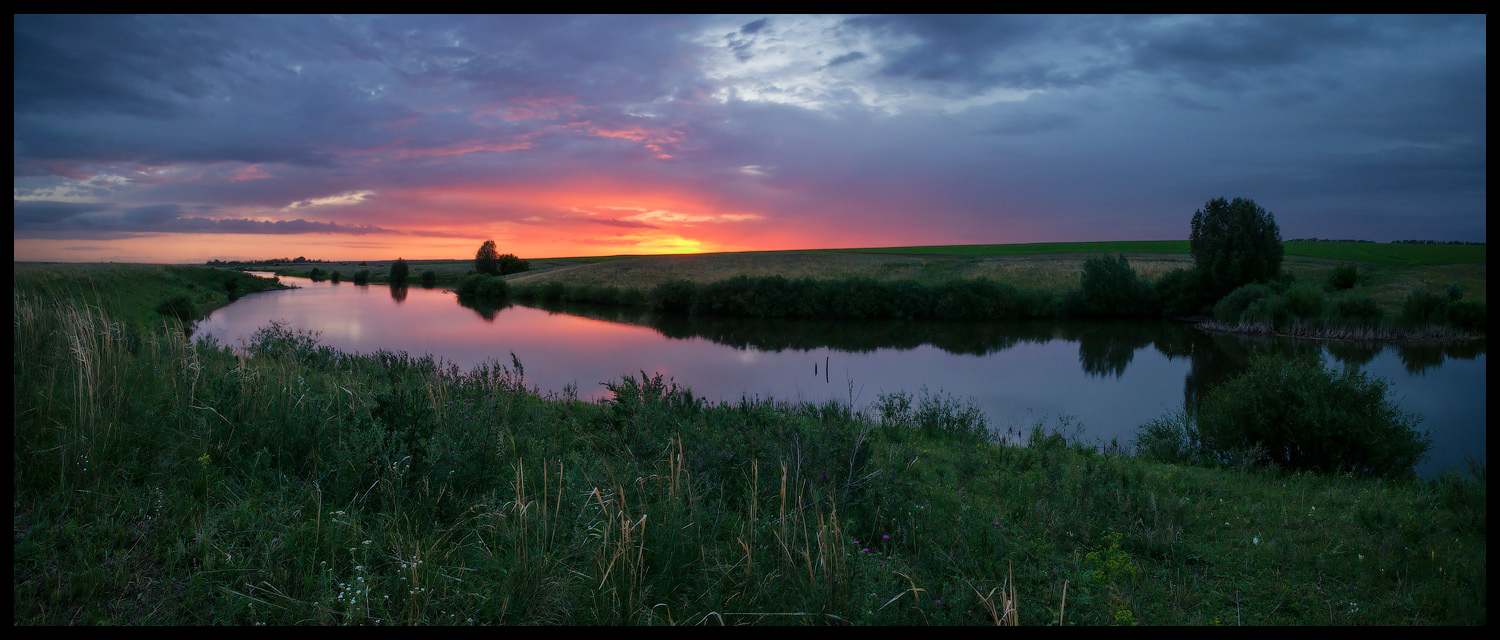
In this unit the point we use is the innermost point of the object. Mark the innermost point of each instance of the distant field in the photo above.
(1388, 281)
(1391, 254)
(1390, 270)
(1376, 253)
(1039, 248)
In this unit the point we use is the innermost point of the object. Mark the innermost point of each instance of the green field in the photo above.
(132, 291)
(1375, 253)
(933, 262)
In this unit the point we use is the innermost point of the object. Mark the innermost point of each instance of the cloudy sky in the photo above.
(175, 139)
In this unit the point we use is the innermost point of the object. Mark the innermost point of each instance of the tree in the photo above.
(1235, 243)
(1110, 287)
(398, 272)
(488, 258)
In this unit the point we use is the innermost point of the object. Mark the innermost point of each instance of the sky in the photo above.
(190, 138)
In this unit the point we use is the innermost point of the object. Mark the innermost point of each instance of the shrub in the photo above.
(509, 263)
(492, 288)
(335, 277)
(1235, 243)
(1305, 302)
(1343, 277)
(316, 274)
(1468, 315)
(1306, 416)
(1231, 308)
(1425, 306)
(1270, 311)
(1356, 310)
(1455, 291)
(483, 286)
(1171, 438)
(429, 278)
(1110, 287)
(362, 276)
(1181, 293)
(673, 296)
(632, 297)
(179, 307)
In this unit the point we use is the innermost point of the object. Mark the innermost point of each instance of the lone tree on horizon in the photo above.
(1235, 243)
(488, 259)
(398, 272)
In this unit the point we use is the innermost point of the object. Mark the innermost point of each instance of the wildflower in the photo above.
(885, 537)
(1255, 540)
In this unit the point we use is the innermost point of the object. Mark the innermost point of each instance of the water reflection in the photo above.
(1111, 376)
(398, 293)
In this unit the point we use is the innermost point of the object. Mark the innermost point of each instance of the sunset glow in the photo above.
(378, 137)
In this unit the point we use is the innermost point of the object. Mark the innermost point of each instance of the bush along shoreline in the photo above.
(1109, 288)
(1304, 311)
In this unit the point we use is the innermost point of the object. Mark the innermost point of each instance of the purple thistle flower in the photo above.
(864, 550)
(885, 537)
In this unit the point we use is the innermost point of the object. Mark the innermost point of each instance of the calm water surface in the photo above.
(1107, 378)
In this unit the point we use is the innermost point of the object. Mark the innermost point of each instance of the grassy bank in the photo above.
(168, 482)
(135, 293)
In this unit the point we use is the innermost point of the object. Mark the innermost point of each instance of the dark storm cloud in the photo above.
(757, 25)
(43, 212)
(302, 90)
(852, 56)
(44, 219)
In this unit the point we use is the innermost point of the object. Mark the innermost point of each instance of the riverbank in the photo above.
(174, 483)
(136, 293)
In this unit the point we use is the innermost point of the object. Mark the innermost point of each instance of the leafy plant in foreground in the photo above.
(1307, 416)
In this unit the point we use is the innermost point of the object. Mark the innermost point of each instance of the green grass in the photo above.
(132, 291)
(159, 481)
(1390, 254)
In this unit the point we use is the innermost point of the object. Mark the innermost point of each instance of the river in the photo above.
(1094, 379)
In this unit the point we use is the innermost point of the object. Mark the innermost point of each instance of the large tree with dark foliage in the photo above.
(1235, 243)
(488, 258)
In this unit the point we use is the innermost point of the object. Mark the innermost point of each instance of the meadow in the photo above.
(158, 480)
